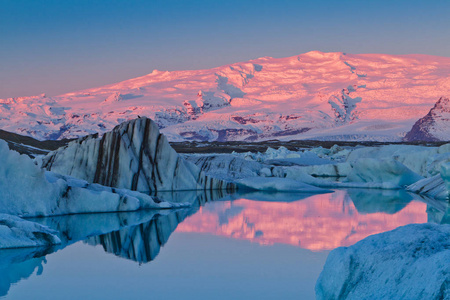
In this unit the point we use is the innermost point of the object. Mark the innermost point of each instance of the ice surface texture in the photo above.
(410, 262)
(134, 156)
(28, 191)
(18, 233)
(383, 167)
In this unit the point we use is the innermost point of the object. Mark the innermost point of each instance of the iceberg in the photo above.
(410, 262)
(29, 191)
(437, 186)
(389, 173)
(275, 184)
(134, 156)
(229, 166)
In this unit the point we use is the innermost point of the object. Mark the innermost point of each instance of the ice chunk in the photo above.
(388, 172)
(18, 233)
(409, 262)
(228, 166)
(423, 160)
(437, 186)
(445, 174)
(432, 187)
(27, 190)
(278, 184)
(134, 156)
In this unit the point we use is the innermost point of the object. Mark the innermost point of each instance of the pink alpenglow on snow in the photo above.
(325, 96)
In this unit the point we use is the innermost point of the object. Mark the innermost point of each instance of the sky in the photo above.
(59, 46)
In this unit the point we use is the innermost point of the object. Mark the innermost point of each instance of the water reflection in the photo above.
(317, 222)
(18, 264)
(320, 222)
(140, 243)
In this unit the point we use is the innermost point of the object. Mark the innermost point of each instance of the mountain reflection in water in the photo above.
(320, 222)
(317, 222)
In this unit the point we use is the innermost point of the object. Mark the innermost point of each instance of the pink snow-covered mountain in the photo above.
(325, 96)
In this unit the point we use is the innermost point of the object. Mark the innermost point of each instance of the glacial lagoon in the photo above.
(244, 246)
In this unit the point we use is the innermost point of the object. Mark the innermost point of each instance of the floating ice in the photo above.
(134, 156)
(278, 184)
(27, 190)
(388, 172)
(409, 262)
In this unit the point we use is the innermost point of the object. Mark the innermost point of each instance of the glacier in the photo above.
(409, 262)
(314, 95)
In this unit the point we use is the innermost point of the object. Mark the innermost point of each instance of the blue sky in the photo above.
(57, 46)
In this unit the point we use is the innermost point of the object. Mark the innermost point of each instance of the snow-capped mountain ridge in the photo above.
(434, 126)
(309, 96)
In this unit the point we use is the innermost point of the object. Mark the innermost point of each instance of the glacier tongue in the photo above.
(135, 156)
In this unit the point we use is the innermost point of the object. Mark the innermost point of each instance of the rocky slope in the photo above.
(434, 126)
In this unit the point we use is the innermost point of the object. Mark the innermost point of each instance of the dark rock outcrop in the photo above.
(430, 127)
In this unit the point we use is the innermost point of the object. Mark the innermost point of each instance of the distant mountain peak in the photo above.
(434, 126)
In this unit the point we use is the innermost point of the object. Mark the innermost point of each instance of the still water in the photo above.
(249, 246)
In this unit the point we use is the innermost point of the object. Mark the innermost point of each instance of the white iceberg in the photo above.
(275, 184)
(389, 173)
(437, 186)
(28, 191)
(410, 262)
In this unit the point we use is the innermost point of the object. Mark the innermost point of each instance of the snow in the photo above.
(315, 95)
(18, 233)
(409, 262)
(30, 191)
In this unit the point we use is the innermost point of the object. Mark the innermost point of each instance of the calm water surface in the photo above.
(258, 246)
